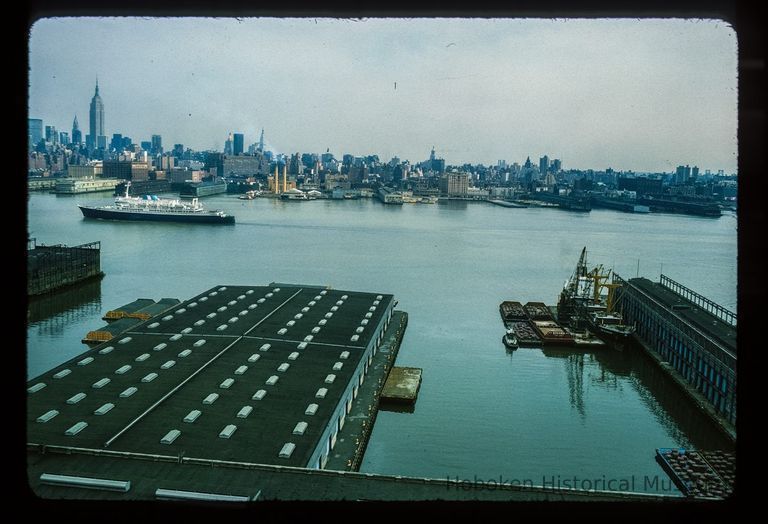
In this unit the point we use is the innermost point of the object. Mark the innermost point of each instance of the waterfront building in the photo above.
(454, 184)
(243, 165)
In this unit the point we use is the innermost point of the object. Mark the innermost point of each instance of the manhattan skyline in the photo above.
(645, 95)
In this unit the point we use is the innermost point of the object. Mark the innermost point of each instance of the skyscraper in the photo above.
(157, 145)
(97, 134)
(77, 135)
(544, 165)
(261, 140)
(51, 135)
(237, 144)
(35, 131)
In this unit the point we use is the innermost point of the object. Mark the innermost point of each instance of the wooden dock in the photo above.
(402, 385)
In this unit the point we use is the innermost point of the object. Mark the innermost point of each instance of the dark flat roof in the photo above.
(715, 328)
(260, 436)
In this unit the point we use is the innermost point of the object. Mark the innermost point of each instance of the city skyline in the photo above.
(662, 94)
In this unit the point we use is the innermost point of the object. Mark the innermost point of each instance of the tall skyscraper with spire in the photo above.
(261, 140)
(77, 135)
(98, 138)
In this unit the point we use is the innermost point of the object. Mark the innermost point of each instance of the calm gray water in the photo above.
(533, 415)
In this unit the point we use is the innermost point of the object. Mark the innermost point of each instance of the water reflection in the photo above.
(51, 313)
(397, 407)
(610, 369)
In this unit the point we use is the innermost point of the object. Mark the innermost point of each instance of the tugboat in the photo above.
(509, 339)
(152, 208)
(582, 303)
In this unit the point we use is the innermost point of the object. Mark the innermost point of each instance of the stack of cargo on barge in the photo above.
(699, 474)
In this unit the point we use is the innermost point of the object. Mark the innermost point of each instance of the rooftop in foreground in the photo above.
(234, 373)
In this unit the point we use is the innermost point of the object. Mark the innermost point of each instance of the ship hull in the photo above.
(194, 218)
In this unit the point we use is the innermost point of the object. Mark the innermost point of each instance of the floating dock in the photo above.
(699, 474)
(402, 385)
(128, 309)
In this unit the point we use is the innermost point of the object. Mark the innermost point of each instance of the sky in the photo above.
(644, 95)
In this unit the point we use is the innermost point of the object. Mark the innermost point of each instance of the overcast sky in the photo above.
(645, 95)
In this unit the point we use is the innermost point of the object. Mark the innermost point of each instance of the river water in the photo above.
(588, 419)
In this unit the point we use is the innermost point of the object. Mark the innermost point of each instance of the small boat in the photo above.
(249, 195)
(509, 339)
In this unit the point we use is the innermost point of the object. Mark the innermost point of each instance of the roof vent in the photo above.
(344, 297)
(74, 399)
(233, 320)
(199, 322)
(276, 290)
(322, 322)
(311, 409)
(339, 302)
(273, 380)
(221, 327)
(77, 428)
(101, 383)
(372, 308)
(227, 383)
(330, 378)
(180, 311)
(48, 415)
(223, 288)
(186, 330)
(253, 306)
(125, 340)
(304, 309)
(211, 314)
(259, 395)
(232, 302)
(359, 329)
(240, 297)
(170, 436)
(243, 313)
(282, 331)
(364, 322)
(213, 293)
(324, 292)
(318, 297)
(142, 357)
(300, 428)
(160, 346)
(254, 357)
(287, 450)
(311, 303)
(316, 329)
(249, 292)
(192, 304)
(153, 325)
(268, 295)
(63, 373)
(123, 369)
(294, 355)
(379, 297)
(149, 378)
(199, 343)
(368, 315)
(192, 416)
(203, 299)
(328, 315)
(37, 387)
(185, 353)
(222, 308)
(337, 366)
(210, 399)
(240, 370)
(104, 409)
(290, 323)
(283, 367)
(244, 411)
(354, 338)
(175, 337)
(85, 361)
(228, 431)
(302, 345)
(85, 482)
(297, 316)
(334, 308)
(169, 364)
(128, 392)
(260, 301)
(376, 302)
(265, 347)
(321, 393)
(106, 350)
(308, 338)
(344, 355)
(166, 318)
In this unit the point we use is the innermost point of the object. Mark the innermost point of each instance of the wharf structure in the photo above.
(76, 186)
(53, 267)
(238, 374)
(693, 338)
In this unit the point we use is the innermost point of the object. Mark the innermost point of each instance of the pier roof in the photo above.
(212, 345)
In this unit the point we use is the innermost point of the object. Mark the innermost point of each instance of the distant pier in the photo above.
(54, 267)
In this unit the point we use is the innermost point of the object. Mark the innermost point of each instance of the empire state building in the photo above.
(97, 137)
